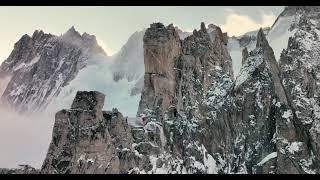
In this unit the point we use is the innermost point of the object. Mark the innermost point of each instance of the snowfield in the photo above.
(97, 76)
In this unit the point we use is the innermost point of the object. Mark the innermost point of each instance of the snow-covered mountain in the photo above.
(203, 115)
(40, 65)
(44, 71)
(128, 62)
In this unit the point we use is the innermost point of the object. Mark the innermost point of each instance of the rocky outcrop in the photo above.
(23, 169)
(40, 65)
(87, 140)
(258, 102)
(162, 48)
(80, 140)
(300, 77)
(129, 61)
(246, 40)
(176, 98)
(242, 126)
(245, 55)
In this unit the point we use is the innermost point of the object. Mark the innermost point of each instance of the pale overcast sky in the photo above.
(114, 24)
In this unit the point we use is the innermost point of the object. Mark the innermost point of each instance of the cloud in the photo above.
(238, 24)
(107, 49)
(24, 139)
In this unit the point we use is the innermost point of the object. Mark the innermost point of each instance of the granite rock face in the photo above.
(161, 49)
(299, 65)
(257, 96)
(129, 61)
(254, 124)
(175, 98)
(87, 140)
(199, 118)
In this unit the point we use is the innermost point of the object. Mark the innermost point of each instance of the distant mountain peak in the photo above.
(85, 41)
(72, 33)
(261, 39)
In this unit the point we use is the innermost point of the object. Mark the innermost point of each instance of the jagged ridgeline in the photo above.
(41, 64)
(200, 119)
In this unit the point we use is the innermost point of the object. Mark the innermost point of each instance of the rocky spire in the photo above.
(37, 34)
(245, 55)
(203, 27)
(159, 66)
(73, 32)
(191, 67)
(88, 100)
(86, 140)
(261, 39)
(72, 35)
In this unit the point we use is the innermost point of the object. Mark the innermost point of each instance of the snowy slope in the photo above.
(98, 76)
(3, 83)
(279, 34)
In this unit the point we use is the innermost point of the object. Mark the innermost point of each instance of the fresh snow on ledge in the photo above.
(248, 68)
(267, 158)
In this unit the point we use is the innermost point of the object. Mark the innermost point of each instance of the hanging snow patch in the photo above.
(287, 114)
(267, 158)
(294, 147)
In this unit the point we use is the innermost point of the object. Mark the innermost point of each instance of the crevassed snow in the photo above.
(97, 76)
(267, 158)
